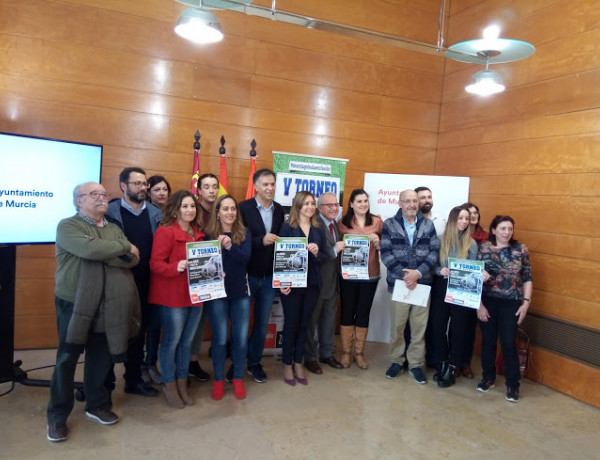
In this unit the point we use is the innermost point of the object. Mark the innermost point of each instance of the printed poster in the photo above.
(290, 264)
(205, 271)
(355, 257)
(465, 282)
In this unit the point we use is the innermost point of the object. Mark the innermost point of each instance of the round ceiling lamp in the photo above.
(199, 26)
(491, 49)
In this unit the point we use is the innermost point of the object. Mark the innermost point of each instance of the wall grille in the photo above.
(568, 339)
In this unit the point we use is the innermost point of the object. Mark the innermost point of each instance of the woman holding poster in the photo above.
(298, 303)
(169, 291)
(456, 242)
(504, 303)
(226, 225)
(357, 295)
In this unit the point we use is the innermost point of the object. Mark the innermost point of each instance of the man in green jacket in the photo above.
(86, 235)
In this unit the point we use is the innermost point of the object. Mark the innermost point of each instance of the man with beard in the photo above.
(139, 219)
(425, 205)
(439, 222)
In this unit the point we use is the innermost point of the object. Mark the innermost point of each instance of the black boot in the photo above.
(446, 377)
(439, 370)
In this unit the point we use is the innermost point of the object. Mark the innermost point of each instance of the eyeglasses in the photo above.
(138, 183)
(95, 195)
(409, 201)
(331, 205)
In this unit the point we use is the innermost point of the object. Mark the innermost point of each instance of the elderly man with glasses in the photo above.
(93, 258)
(324, 313)
(409, 250)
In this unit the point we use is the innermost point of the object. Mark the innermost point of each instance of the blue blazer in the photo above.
(261, 262)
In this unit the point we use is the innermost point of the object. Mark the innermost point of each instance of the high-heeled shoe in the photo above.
(291, 381)
(300, 380)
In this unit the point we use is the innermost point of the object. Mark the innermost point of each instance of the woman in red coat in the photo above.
(179, 316)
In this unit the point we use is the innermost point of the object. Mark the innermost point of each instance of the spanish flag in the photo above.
(223, 187)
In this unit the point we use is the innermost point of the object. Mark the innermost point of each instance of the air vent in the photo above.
(568, 339)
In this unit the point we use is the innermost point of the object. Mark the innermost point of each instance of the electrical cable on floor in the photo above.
(12, 386)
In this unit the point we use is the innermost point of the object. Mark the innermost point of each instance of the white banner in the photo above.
(288, 184)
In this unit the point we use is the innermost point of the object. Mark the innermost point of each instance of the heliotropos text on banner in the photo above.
(465, 282)
(355, 257)
(290, 265)
(296, 173)
(205, 271)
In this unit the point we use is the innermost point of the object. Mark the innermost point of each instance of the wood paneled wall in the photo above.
(114, 73)
(533, 152)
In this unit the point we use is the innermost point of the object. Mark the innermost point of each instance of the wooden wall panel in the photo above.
(545, 214)
(418, 19)
(533, 152)
(115, 74)
(565, 307)
(557, 372)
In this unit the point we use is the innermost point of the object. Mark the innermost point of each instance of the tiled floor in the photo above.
(343, 414)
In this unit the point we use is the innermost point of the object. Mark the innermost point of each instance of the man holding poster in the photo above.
(324, 313)
(409, 250)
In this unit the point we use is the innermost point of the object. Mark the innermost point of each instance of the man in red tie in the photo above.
(324, 314)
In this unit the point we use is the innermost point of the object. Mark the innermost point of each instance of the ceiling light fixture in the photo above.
(199, 26)
(494, 50)
(485, 82)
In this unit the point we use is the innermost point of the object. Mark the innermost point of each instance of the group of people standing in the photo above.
(415, 248)
(136, 244)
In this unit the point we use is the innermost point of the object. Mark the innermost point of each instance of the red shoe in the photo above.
(217, 391)
(238, 389)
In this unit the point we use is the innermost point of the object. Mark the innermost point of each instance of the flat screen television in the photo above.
(37, 178)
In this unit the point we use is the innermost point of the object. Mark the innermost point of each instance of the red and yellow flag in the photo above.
(250, 189)
(223, 187)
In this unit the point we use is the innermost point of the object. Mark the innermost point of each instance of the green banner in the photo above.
(317, 175)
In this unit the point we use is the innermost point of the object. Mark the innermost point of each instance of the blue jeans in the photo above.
(219, 312)
(297, 310)
(179, 326)
(263, 293)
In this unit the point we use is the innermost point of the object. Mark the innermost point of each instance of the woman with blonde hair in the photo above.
(456, 242)
(298, 303)
(225, 224)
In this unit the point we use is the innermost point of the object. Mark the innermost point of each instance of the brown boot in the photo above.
(183, 392)
(359, 347)
(173, 398)
(347, 333)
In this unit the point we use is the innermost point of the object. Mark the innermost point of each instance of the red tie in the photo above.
(331, 229)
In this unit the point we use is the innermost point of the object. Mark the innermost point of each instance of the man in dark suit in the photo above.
(263, 217)
(324, 313)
